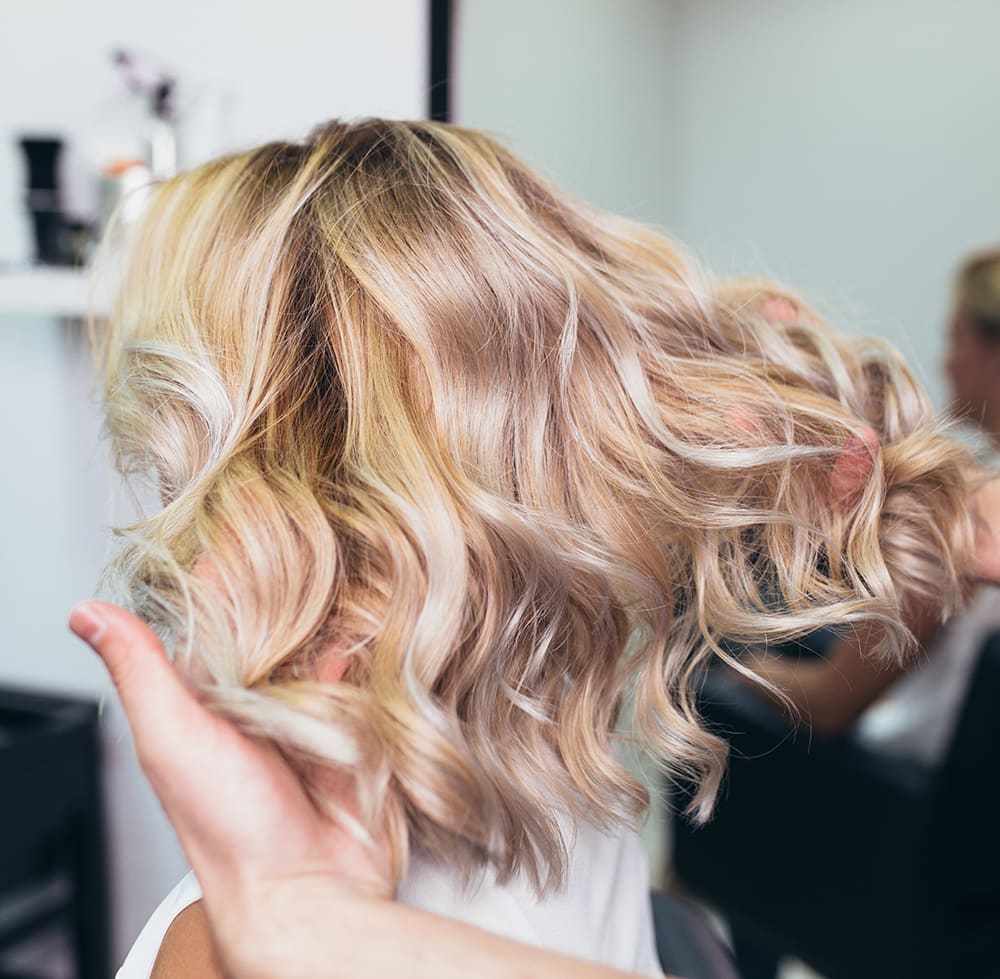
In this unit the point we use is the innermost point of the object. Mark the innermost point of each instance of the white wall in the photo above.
(582, 89)
(281, 69)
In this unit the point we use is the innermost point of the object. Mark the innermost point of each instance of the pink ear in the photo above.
(854, 465)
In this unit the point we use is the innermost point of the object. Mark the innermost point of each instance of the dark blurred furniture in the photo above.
(52, 841)
(687, 944)
(862, 865)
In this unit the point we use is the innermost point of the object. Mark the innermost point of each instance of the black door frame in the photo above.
(439, 92)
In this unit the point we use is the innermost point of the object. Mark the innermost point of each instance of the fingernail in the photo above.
(87, 622)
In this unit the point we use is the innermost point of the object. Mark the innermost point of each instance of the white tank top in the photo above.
(602, 914)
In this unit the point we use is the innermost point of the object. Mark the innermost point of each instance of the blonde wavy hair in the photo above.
(455, 468)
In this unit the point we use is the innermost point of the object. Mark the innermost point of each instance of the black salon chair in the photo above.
(687, 944)
(52, 841)
(861, 865)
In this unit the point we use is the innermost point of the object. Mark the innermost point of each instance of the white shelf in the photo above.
(48, 291)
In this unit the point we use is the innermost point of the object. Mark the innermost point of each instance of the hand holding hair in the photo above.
(287, 892)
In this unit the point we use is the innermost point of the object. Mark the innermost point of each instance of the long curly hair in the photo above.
(454, 468)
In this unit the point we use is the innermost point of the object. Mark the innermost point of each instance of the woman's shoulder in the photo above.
(139, 962)
(602, 913)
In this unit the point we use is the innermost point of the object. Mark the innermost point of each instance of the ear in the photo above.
(854, 465)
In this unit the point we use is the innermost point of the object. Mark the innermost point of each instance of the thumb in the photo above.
(154, 697)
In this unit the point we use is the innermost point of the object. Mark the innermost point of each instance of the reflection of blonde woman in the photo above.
(453, 469)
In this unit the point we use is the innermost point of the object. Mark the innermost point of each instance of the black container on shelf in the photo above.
(44, 200)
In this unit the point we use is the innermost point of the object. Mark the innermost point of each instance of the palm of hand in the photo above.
(262, 812)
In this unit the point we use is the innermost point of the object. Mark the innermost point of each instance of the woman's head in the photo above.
(973, 359)
(454, 467)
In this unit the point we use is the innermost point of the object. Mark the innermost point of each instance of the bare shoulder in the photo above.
(187, 951)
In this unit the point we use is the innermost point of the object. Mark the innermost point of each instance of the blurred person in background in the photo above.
(909, 707)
